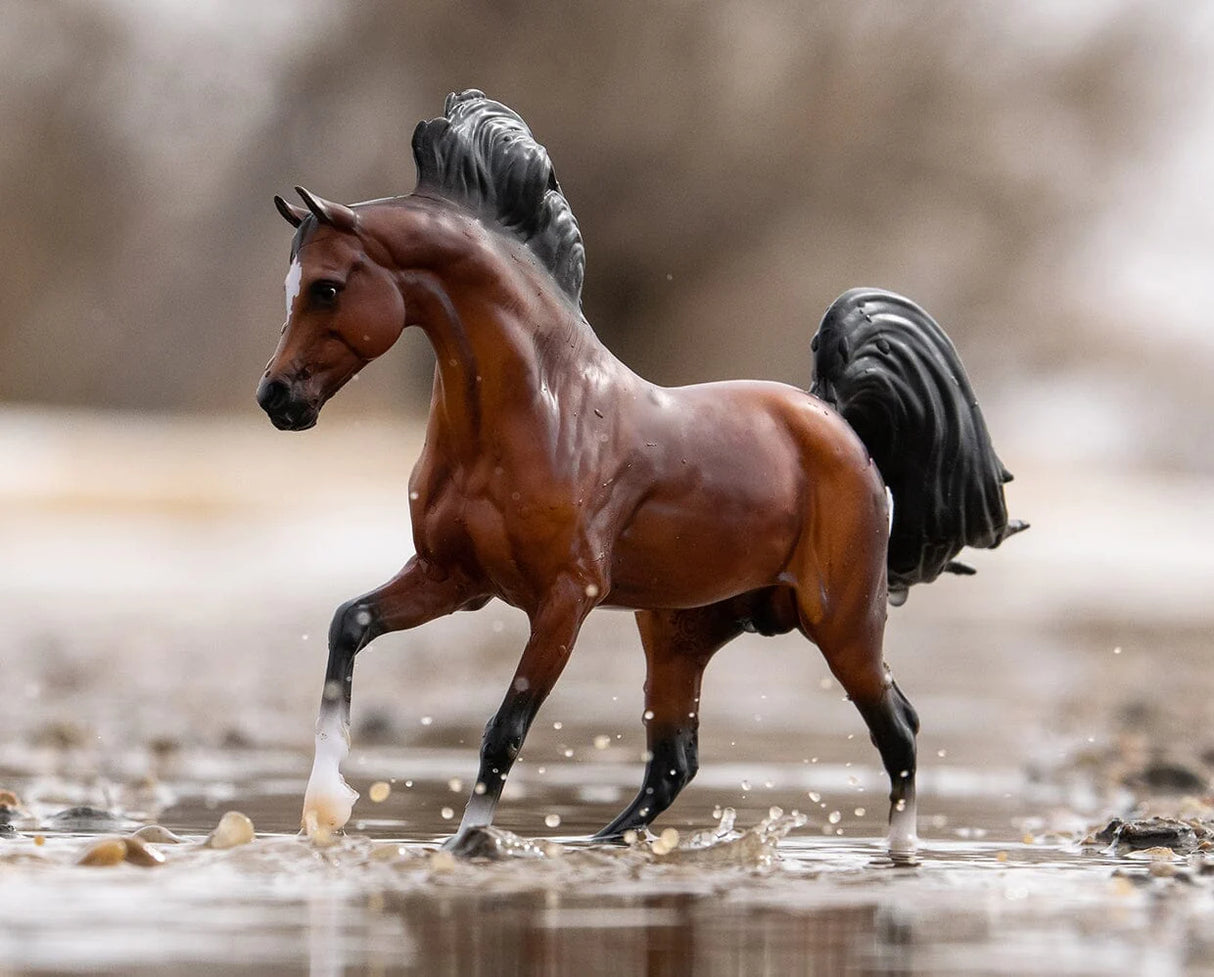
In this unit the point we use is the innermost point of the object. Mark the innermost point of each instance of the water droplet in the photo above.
(815, 796)
(859, 812)
(592, 590)
(455, 785)
(834, 817)
(479, 788)
(601, 742)
(942, 753)
(447, 813)
(568, 753)
(666, 842)
(558, 725)
(648, 715)
(746, 785)
(553, 820)
(427, 720)
(379, 792)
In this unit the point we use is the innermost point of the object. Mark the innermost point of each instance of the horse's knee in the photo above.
(354, 625)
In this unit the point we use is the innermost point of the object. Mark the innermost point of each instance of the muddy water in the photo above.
(162, 603)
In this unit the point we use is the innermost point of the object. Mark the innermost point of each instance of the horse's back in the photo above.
(731, 477)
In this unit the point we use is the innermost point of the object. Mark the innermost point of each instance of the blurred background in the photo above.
(1034, 174)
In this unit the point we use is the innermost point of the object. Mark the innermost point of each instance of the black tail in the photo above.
(893, 374)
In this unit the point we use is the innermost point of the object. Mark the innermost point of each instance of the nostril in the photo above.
(273, 395)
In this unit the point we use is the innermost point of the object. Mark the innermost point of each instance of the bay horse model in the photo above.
(556, 479)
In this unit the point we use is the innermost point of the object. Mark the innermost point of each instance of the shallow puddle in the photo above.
(181, 682)
(987, 896)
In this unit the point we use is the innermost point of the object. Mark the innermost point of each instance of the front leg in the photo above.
(554, 629)
(421, 592)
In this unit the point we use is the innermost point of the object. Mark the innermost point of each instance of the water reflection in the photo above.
(660, 935)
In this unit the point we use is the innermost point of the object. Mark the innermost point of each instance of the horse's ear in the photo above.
(338, 216)
(291, 214)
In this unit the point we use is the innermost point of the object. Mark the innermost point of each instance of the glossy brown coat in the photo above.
(556, 479)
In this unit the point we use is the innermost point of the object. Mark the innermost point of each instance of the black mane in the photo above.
(481, 155)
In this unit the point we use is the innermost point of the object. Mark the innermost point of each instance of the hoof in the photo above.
(472, 843)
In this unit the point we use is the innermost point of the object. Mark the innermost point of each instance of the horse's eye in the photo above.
(325, 293)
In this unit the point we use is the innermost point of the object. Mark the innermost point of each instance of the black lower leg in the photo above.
(355, 624)
(672, 764)
(893, 725)
(501, 743)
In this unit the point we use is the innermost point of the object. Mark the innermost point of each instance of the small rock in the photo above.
(157, 835)
(84, 818)
(233, 829)
(137, 853)
(107, 851)
(1145, 833)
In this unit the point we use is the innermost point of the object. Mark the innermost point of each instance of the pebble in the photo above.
(234, 829)
(157, 835)
(138, 853)
(107, 851)
(84, 818)
(1145, 833)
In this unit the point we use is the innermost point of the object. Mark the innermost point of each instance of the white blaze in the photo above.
(294, 278)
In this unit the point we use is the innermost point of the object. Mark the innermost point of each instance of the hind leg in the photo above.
(850, 638)
(678, 646)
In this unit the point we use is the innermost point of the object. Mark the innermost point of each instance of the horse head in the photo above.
(344, 309)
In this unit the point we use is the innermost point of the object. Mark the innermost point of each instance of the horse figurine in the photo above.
(556, 479)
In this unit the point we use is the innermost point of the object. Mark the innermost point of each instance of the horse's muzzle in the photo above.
(286, 411)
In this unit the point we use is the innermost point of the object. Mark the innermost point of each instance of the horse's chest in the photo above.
(500, 532)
